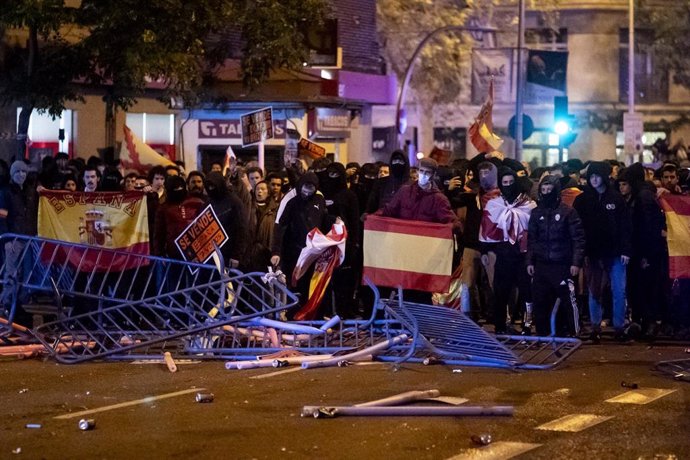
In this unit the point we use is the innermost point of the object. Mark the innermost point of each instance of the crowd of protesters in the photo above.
(591, 235)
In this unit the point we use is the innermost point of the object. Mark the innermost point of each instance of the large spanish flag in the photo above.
(412, 254)
(104, 220)
(677, 210)
(481, 131)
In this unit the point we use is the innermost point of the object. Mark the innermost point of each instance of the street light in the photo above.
(400, 115)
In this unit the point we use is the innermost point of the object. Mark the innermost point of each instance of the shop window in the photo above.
(48, 135)
(157, 130)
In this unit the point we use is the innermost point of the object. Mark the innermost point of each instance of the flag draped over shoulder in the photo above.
(325, 251)
(412, 254)
(138, 156)
(108, 220)
(677, 211)
(481, 130)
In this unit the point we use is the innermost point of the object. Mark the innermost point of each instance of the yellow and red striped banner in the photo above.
(412, 254)
(109, 220)
(677, 210)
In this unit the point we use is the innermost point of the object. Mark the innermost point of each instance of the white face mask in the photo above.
(19, 177)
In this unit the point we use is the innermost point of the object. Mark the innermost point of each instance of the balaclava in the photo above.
(509, 192)
(552, 199)
(18, 172)
(175, 189)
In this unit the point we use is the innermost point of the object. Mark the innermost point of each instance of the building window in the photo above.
(651, 82)
(547, 39)
(157, 130)
(541, 149)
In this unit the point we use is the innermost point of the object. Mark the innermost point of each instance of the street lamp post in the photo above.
(399, 112)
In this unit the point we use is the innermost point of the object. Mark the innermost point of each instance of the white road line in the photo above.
(128, 404)
(496, 451)
(640, 396)
(574, 422)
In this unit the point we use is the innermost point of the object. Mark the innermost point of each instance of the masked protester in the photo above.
(503, 231)
(385, 187)
(230, 212)
(555, 254)
(342, 202)
(300, 215)
(173, 216)
(18, 214)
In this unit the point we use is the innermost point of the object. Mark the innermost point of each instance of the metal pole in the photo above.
(519, 81)
(631, 63)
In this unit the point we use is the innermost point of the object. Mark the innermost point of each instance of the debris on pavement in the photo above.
(86, 424)
(481, 439)
(33, 425)
(169, 361)
(631, 385)
(204, 397)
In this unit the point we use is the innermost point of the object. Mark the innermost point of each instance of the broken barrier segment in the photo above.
(451, 337)
(174, 321)
(679, 369)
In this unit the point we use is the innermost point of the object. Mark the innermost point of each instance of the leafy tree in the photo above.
(668, 22)
(122, 46)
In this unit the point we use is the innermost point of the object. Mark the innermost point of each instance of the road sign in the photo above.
(527, 126)
(257, 126)
(633, 129)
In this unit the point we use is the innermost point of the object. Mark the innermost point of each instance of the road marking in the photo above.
(497, 451)
(640, 396)
(574, 422)
(128, 403)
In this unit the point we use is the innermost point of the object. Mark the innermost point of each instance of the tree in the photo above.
(124, 46)
(668, 21)
(37, 74)
(443, 74)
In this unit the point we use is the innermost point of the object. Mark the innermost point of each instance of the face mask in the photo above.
(397, 170)
(550, 200)
(510, 192)
(177, 195)
(19, 177)
(423, 180)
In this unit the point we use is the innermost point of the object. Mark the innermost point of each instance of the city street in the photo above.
(256, 413)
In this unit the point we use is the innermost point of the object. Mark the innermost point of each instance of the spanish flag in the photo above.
(107, 221)
(136, 155)
(481, 130)
(408, 253)
(677, 210)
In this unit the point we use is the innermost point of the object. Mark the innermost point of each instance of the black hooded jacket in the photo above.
(385, 188)
(230, 212)
(299, 216)
(648, 219)
(555, 233)
(342, 202)
(606, 219)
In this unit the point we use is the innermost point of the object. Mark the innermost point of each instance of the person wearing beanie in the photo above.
(503, 232)
(608, 232)
(18, 214)
(555, 254)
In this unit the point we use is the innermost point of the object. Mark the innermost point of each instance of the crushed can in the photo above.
(204, 397)
(625, 384)
(481, 439)
(87, 424)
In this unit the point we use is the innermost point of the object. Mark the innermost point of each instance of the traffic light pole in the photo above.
(519, 82)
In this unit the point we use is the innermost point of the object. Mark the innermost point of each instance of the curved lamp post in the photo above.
(399, 112)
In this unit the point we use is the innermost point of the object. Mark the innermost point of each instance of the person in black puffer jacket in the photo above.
(555, 253)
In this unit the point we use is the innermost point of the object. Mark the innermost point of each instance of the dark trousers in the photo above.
(549, 284)
(510, 272)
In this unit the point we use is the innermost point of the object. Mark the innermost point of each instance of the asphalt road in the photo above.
(256, 413)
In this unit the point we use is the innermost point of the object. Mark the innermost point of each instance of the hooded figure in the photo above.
(173, 216)
(512, 190)
(386, 187)
(488, 176)
(299, 216)
(555, 254)
(601, 169)
(230, 212)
